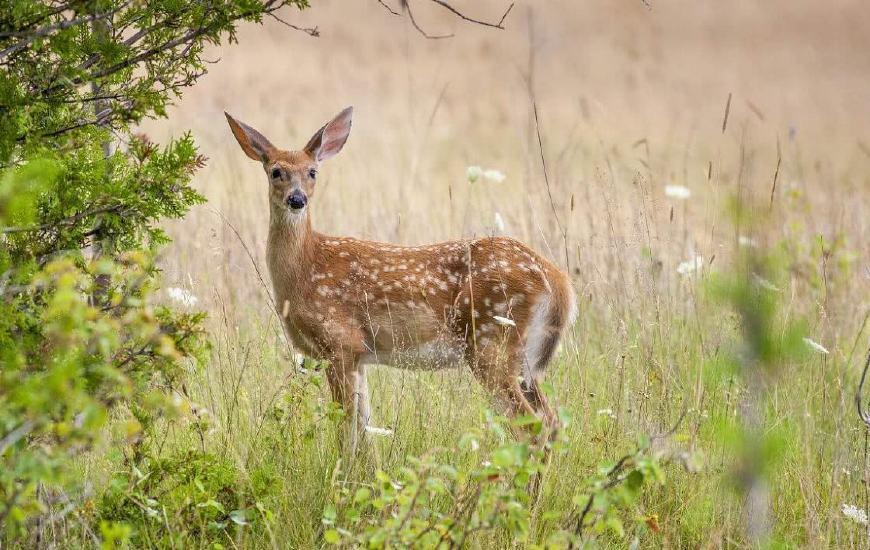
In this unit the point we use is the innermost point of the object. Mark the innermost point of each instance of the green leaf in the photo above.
(615, 525)
(362, 495)
(331, 536)
(329, 513)
(503, 457)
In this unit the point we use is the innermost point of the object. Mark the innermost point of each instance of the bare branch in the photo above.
(310, 31)
(499, 25)
(388, 8)
(406, 6)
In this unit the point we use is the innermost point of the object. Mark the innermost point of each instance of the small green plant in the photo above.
(190, 498)
(610, 495)
(448, 496)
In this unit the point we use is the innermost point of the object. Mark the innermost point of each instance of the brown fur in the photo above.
(352, 301)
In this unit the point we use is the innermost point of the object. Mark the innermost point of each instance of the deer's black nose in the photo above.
(297, 200)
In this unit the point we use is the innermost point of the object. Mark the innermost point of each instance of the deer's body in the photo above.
(490, 303)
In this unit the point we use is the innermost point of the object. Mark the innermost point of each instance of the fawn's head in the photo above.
(292, 174)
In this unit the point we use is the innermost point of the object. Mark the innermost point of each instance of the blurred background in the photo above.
(631, 97)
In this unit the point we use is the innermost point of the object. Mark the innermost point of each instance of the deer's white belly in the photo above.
(435, 355)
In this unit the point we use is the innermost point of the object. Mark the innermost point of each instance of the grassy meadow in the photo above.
(767, 102)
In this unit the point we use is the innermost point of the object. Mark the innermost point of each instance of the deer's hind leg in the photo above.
(531, 388)
(497, 366)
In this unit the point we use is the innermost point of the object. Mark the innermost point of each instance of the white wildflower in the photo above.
(473, 173)
(494, 175)
(677, 192)
(690, 266)
(504, 321)
(764, 283)
(815, 346)
(182, 296)
(499, 223)
(606, 412)
(385, 432)
(855, 514)
(743, 240)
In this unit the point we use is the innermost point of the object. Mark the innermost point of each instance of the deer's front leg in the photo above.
(347, 381)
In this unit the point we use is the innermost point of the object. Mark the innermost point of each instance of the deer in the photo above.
(491, 303)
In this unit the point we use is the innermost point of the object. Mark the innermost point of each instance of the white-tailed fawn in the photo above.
(490, 303)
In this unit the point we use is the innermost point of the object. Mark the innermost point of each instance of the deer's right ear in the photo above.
(329, 140)
(252, 142)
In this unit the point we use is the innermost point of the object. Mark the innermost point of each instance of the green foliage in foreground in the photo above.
(430, 502)
(81, 338)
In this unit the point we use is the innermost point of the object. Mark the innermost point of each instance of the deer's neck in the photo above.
(290, 251)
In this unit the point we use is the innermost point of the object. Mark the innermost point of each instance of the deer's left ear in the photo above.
(252, 142)
(329, 140)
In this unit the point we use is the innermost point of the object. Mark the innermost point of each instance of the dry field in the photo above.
(630, 99)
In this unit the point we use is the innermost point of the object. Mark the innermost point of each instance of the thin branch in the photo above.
(406, 6)
(310, 31)
(499, 25)
(388, 8)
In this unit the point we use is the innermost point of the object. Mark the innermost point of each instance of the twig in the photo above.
(499, 25)
(388, 8)
(310, 31)
(406, 6)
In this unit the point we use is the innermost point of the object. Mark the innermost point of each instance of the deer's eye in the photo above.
(312, 173)
(276, 173)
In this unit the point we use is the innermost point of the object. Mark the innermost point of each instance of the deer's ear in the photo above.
(252, 142)
(329, 140)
